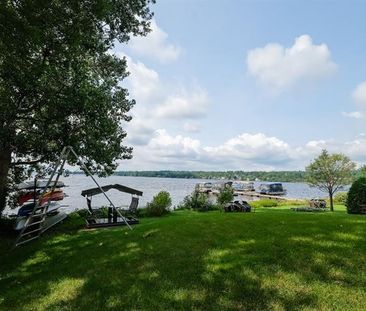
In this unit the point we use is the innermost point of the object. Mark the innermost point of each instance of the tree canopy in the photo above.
(330, 172)
(59, 83)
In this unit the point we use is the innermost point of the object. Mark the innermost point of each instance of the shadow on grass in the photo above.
(213, 261)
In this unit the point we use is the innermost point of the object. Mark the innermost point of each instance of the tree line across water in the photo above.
(281, 176)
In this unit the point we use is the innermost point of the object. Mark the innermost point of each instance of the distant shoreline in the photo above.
(261, 176)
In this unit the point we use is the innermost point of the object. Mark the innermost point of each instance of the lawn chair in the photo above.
(131, 212)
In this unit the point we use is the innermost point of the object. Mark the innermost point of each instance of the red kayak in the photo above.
(56, 195)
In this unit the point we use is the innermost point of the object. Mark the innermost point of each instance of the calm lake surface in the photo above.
(178, 188)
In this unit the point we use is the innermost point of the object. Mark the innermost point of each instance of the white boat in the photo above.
(204, 187)
(243, 186)
(28, 208)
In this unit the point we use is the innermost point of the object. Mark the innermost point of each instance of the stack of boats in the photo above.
(48, 202)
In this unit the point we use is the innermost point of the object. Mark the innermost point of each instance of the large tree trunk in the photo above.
(331, 201)
(5, 158)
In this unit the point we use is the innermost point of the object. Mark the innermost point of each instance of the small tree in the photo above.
(226, 195)
(329, 173)
(160, 204)
(196, 201)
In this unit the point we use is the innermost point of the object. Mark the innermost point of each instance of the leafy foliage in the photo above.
(340, 198)
(59, 85)
(356, 196)
(160, 204)
(197, 201)
(329, 173)
(226, 195)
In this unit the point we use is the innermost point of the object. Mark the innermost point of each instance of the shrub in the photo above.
(142, 212)
(356, 196)
(340, 198)
(160, 204)
(197, 201)
(226, 195)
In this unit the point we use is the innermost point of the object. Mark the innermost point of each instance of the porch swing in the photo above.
(36, 221)
(96, 218)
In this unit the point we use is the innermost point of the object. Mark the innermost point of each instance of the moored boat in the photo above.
(204, 187)
(243, 186)
(272, 189)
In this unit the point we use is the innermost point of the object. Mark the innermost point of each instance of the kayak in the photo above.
(56, 195)
(26, 209)
(40, 184)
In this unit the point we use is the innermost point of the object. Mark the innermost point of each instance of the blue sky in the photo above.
(249, 85)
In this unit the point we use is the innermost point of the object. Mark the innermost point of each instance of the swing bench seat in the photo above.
(116, 216)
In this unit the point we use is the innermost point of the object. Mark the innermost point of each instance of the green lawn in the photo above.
(273, 259)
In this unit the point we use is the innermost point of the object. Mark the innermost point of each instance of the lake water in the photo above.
(178, 188)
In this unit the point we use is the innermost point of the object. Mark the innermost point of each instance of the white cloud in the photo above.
(139, 131)
(359, 95)
(257, 147)
(279, 68)
(244, 152)
(184, 105)
(192, 127)
(354, 114)
(144, 81)
(165, 145)
(155, 45)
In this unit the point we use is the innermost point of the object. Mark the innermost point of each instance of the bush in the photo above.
(226, 195)
(142, 212)
(160, 204)
(197, 201)
(264, 203)
(340, 198)
(356, 196)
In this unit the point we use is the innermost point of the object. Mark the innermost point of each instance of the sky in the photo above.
(247, 85)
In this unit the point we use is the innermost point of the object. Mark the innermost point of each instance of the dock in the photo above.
(253, 194)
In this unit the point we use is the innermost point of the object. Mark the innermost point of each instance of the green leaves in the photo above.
(330, 172)
(59, 85)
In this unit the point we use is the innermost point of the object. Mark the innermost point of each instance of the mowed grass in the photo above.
(273, 259)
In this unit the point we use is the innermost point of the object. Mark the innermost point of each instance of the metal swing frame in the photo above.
(34, 225)
(96, 219)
